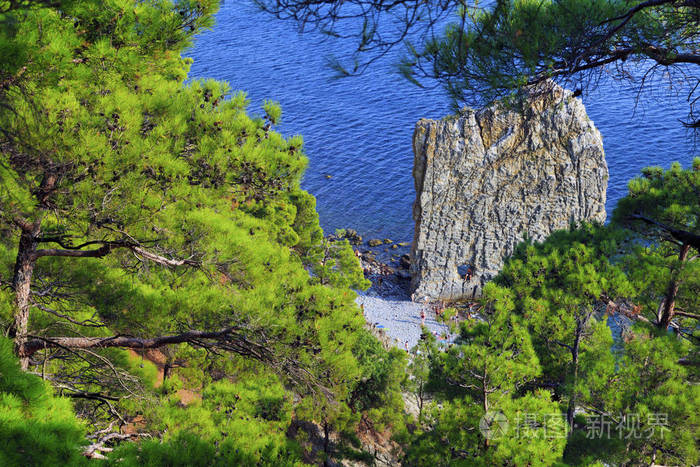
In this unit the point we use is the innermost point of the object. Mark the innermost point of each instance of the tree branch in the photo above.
(98, 253)
(107, 248)
(162, 260)
(231, 339)
(563, 344)
(687, 315)
(681, 235)
(38, 343)
(95, 450)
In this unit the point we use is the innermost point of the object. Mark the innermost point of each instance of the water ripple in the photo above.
(359, 130)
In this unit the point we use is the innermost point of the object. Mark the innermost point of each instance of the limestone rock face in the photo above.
(486, 179)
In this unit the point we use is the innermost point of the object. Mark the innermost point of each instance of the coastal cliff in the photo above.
(486, 179)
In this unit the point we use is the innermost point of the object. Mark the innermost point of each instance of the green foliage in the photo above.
(452, 429)
(536, 433)
(662, 209)
(667, 197)
(378, 392)
(485, 372)
(650, 404)
(36, 427)
(232, 424)
(273, 111)
(105, 145)
(541, 346)
(492, 355)
(454, 436)
(482, 51)
(185, 449)
(557, 285)
(654, 391)
(492, 51)
(159, 207)
(422, 364)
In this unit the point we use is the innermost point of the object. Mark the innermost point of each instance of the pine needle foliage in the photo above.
(36, 427)
(137, 207)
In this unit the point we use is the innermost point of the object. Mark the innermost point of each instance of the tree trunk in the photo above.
(420, 401)
(486, 403)
(326, 444)
(572, 397)
(166, 370)
(21, 283)
(669, 303)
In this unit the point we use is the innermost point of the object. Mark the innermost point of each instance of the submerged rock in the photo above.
(485, 179)
(352, 236)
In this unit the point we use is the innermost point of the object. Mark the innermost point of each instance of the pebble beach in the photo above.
(388, 308)
(399, 318)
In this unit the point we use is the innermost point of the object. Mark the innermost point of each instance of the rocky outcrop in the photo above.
(486, 179)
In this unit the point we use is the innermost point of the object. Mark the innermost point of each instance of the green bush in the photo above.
(36, 428)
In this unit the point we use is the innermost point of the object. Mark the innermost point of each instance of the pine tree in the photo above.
(482, 52)
(484, 404)
(562, 287)
(36, 427)
(142, 212)
(662, 208)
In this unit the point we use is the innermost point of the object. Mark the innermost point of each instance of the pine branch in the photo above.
(687, 315)
(106, 248)
(567, 346)
(231, 339)
(681, 235)
(39, 343)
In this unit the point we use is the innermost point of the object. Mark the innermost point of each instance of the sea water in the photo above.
(358, 130)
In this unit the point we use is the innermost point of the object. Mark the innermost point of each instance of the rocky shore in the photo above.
(387, 304)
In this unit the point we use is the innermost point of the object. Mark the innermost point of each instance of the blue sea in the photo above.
(358, 130)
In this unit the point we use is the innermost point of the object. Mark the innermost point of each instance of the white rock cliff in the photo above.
(486, 179)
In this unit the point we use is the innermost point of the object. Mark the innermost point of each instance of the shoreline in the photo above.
(387, 306)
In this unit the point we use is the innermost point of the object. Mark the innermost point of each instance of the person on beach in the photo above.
(405, 345)
(422, 317)
(439, 307)
(469, 274)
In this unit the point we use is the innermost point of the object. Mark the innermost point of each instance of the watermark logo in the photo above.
(493, 424)
(626, 426)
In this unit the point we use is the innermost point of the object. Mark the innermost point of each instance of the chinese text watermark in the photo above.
(494, 425)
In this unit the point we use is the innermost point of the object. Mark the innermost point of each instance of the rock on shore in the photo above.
(486, 179)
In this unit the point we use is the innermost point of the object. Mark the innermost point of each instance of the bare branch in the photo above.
(687, 315)
(86, 323)
(39, 343)
(95, 450)
(681, 235)
(107, 247)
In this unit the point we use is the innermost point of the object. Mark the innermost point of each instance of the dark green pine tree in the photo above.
(562, 287)
(139, 212)
(483, 413)
(663, 208)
